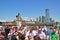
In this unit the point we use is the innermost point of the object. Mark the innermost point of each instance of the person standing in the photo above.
(48, 33)
(59, 34)
(41, 34)
(54, 35)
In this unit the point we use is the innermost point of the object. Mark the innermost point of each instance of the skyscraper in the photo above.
(40, 19)
(47, 15)
(36, 19)
(43, 19)
(50, 19)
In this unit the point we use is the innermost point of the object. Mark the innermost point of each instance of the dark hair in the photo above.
(50, 28)
(37, 38)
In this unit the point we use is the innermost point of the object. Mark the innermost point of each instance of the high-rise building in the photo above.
(40, 19)
(36, 19)
(43, 19)
(47, 15)
(50, 19)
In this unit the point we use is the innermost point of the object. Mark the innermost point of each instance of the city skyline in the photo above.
(29, 9)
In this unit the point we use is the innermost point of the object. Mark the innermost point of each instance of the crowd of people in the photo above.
(29, 33)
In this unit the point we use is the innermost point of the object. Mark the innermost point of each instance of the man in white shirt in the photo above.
(41, 34)
(31, 33)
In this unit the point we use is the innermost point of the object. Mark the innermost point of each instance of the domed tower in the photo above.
(19, 20)
(18, 17)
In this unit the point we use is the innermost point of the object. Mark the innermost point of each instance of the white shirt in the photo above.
(33, 33)
(42, 35)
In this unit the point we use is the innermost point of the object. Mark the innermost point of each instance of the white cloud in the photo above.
(26, 18)
(6, 20)
(2, 20)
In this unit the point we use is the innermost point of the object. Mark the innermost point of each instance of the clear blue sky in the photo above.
(31, 8)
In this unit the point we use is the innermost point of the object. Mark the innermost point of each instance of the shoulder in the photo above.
(51, 34)
(57, 34)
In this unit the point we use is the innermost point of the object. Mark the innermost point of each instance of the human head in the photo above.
(54, 30)
(40, 30)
